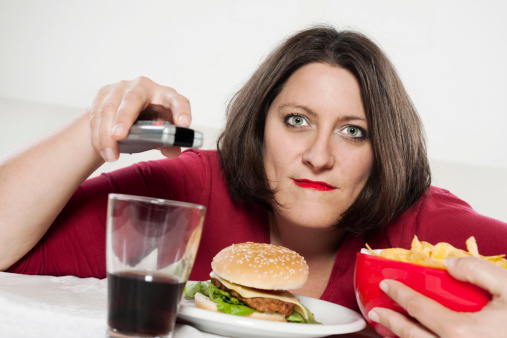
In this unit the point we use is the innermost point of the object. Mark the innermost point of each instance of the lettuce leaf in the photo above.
(231, 305)
(296, 317)
(225, 302)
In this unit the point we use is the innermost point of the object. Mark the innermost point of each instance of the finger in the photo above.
(152, 100)
(427, 311)
(180, 107)
(107, 112)
(171, 152)
(134, 100)
(103, 107)
(480, 272)
(172, 106)
(399, 324)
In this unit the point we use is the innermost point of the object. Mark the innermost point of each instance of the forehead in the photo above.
(323, 88)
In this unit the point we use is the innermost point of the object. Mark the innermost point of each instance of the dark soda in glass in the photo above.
(143, 303)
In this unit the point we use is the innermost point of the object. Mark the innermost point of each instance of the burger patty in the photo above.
(259, 303)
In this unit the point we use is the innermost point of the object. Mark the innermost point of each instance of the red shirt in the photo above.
(75, 243)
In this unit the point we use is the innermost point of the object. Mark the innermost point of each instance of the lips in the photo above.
(314, 185)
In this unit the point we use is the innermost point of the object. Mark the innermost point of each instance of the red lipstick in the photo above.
(314, 185)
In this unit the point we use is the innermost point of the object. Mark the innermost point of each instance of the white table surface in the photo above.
(45, 306)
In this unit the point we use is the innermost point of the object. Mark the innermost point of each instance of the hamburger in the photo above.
(252, 279)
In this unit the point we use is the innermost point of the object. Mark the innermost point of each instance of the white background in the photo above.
(450, 54)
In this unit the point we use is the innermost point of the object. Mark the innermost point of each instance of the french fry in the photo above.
(423, 253)
(472, 247)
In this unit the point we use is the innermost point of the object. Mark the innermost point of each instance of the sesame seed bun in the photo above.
(261, 266)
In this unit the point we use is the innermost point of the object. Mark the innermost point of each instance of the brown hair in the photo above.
(400, 172)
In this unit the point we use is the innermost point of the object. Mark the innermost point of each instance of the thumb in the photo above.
(183, 119)
(480, 272)
(171, 152)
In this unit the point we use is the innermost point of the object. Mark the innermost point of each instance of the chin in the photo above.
(316, 218)
(324, 225)
(311, 211)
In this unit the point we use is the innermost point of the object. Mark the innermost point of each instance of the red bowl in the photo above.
(434, 283)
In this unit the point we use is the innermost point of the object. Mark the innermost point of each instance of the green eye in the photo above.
(297, 120)
(294, 120)
(354, 132)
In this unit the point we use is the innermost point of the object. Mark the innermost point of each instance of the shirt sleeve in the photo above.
(440, 216)
(75, 243)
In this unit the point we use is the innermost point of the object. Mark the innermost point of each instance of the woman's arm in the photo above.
(436, 320)
(37, 181)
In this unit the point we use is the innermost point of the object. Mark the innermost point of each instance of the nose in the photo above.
(319, 155)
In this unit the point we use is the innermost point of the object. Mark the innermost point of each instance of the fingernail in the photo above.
(117, 130)
(383, 286)
(450, 262)
(184, 120)
(373, 316)
(108, 155)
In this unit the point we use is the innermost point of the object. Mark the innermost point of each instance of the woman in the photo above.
(322, 152)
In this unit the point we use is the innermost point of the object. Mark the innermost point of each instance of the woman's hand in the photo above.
(117, 106)
(436, 320)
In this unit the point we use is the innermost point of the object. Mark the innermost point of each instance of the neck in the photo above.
(309, 242)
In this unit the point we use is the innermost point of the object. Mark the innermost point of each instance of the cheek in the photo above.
(365, 162)
(270, 156)
(274, 160)
(359, 166)
(364, 168)
(279, 154)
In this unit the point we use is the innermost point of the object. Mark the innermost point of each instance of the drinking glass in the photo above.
(151, 247)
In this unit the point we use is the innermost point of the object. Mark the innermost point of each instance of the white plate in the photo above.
(336, 319)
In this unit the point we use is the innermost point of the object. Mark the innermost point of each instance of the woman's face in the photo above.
(317, 151)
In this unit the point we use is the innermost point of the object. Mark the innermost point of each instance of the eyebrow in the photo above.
(311, 112)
